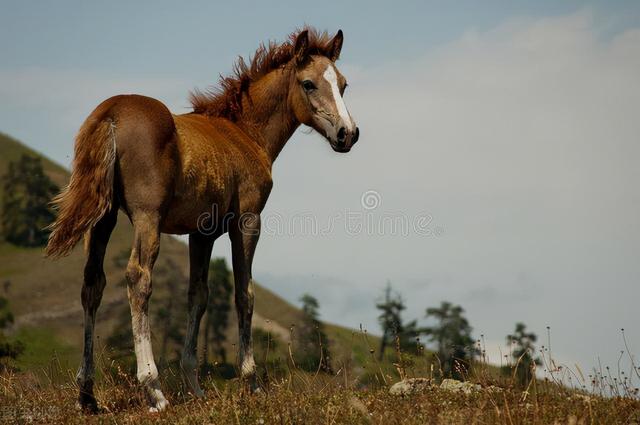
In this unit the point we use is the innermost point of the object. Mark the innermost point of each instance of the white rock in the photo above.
(410, 386)
(454, 385)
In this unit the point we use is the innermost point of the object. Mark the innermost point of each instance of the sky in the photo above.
(496, 166)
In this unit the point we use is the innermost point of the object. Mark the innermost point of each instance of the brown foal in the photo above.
(164, 171)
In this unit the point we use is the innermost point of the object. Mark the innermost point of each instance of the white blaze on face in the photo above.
(332, 78)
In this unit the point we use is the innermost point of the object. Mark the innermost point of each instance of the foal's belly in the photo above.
(191, 212)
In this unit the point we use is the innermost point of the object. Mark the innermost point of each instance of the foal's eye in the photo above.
(308, 86)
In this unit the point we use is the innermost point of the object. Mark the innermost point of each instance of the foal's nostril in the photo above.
(342, 135)
(356, 135)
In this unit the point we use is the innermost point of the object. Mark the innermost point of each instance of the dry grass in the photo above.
(292, 401)
(357, 393)
(304, 398)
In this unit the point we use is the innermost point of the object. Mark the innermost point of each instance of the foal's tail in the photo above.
(89, 194)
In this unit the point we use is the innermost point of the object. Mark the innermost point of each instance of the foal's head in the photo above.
(316, 94)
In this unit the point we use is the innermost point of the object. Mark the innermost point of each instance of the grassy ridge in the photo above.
(11, 150)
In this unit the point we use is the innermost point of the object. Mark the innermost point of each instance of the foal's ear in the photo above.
(336, 46)
(301, 47)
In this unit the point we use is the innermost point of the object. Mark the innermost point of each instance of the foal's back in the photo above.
(183, 165)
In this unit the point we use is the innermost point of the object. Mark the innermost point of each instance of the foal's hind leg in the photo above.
(146, 244)
(94, 283)
(199, 256)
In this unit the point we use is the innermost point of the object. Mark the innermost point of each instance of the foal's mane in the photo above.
(226, 100)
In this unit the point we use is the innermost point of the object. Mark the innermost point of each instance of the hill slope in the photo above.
(45, 294)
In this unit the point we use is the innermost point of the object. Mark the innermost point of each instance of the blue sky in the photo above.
(511, 126)
(190, 44)
(164, 38)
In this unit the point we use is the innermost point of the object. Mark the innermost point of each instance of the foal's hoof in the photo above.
(87, 404)
(250, 384)
(159, 407)
(198, 393)
(156, 400)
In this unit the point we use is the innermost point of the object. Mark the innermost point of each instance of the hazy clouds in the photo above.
(522, 143)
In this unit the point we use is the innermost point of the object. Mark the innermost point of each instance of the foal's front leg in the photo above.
(200, 247)
(244, 238)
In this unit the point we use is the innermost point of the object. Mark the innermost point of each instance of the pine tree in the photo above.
(217, 315)
(452, 336)
(172, 305)
(9, 350)
(312, 342)
(25, 204)
(522, 353)
(391, 307)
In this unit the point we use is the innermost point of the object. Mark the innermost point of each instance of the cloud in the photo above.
(47, 106)
(521, 142)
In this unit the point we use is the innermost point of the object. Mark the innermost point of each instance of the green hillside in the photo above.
(45, 294)
(11, 150)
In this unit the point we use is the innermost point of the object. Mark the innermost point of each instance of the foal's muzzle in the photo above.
(345, 139)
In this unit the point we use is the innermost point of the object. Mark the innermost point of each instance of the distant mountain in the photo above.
(45, 294)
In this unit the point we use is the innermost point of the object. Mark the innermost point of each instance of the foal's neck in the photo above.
(266, 114)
